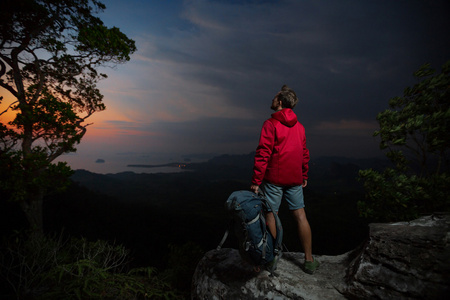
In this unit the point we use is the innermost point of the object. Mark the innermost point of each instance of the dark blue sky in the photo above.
(205, 72)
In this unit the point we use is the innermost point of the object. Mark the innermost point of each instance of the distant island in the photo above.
(176, 165)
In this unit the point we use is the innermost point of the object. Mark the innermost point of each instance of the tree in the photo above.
(49, 55)
(415, 134)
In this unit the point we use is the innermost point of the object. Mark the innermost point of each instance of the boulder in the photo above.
(409, 260)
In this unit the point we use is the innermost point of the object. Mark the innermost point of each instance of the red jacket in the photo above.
(281, 157)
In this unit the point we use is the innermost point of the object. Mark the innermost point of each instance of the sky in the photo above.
(205, 72)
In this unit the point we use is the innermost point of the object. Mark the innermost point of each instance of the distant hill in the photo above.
(326, 173)
(148, 212)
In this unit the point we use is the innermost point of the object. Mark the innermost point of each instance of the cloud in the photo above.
(247, 51)
(353, 127)
(206, 71)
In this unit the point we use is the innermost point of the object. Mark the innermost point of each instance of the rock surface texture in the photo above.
(408, 260)
(404, 261)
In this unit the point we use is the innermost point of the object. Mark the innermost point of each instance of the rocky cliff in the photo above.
(408, 260)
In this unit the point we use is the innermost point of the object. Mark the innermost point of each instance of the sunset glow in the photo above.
(205, 73)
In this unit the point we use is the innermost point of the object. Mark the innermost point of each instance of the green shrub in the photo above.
(394, 196)
(182, 261)
(415, 134)
(49, 268)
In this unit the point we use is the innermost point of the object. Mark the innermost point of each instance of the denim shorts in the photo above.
(275, 193)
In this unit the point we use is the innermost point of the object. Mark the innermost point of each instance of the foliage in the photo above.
(415, 133)
(53, 177)
(182, 262)
(392, 195)
(49, 55)
(49, 268)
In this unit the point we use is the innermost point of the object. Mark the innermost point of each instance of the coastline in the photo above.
(175, 165)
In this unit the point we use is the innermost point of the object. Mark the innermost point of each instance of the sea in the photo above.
(112, 164)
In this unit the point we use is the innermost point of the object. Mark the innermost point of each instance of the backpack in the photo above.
(257, 246)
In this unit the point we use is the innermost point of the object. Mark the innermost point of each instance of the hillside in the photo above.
(148, 212)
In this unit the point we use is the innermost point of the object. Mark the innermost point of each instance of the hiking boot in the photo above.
(311, 266)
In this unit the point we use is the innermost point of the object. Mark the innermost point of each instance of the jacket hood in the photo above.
(286, 116)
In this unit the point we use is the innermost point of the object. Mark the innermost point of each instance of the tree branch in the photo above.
(9, 106)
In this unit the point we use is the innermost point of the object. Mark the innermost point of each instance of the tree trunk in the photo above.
(33, 209)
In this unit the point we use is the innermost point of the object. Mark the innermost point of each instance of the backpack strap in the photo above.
(225, 236)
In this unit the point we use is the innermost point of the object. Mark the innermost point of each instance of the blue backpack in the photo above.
(257, 246)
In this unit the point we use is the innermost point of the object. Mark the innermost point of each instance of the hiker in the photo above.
(281, 167)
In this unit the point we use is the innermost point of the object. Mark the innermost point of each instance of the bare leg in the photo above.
(270, 219)
(304, 232)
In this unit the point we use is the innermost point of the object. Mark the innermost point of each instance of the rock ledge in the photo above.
(408, 260)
